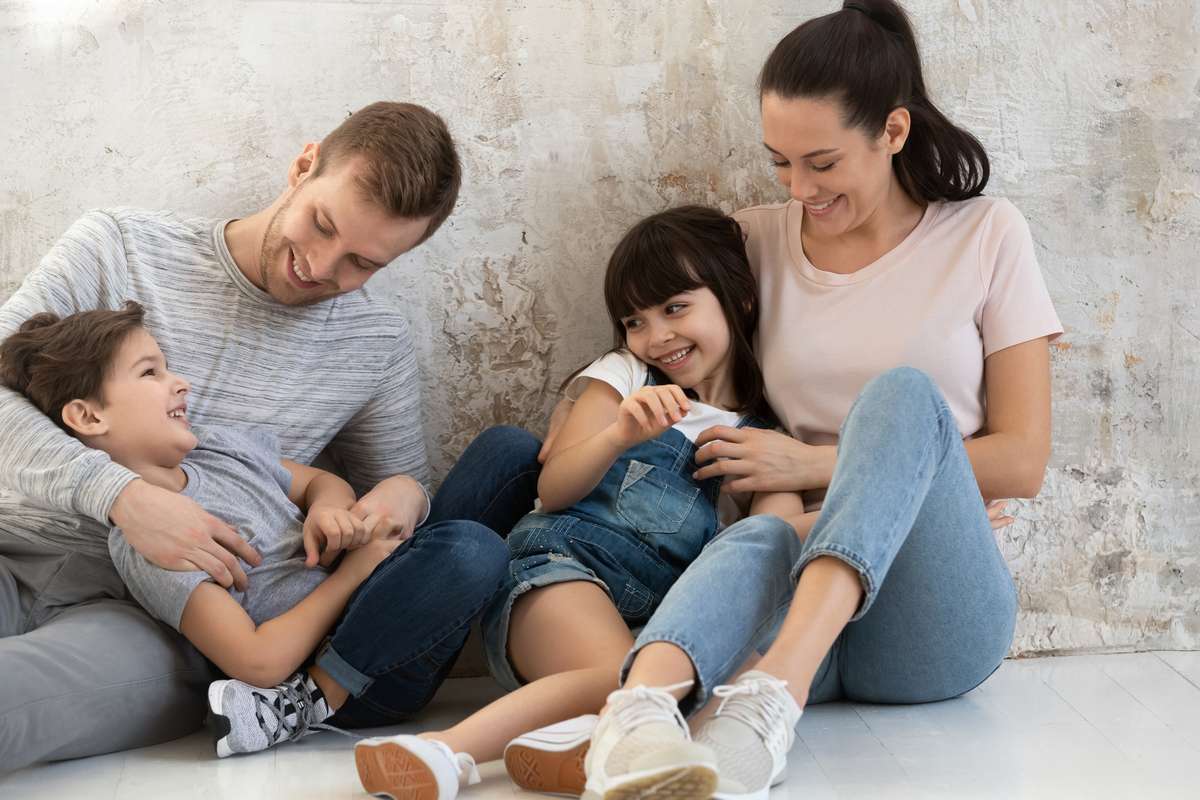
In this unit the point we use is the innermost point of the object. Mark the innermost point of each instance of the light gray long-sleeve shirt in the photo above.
(341, 373)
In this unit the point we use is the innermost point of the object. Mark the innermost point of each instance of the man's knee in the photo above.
(512, 444)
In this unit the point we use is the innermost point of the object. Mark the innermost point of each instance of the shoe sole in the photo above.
(694, 782)
(217, 722)
(547, 771)
(392, 771)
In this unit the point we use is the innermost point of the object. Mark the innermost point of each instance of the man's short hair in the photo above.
(411, 167)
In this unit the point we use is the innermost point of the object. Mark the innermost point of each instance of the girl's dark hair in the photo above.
(53, 360)
(865, 57)
(688, 248)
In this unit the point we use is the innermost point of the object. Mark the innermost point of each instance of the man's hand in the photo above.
(393, 508)
(329, 529)
(173, 532)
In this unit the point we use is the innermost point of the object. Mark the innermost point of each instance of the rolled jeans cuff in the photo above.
(694, 700)
(866, 576)
(342, 673)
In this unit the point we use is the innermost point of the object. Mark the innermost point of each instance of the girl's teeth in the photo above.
(677, 356)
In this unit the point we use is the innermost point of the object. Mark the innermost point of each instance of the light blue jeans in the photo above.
(904, 510)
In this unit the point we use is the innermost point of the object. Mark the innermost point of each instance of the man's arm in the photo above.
(382, 448)
(85, 270)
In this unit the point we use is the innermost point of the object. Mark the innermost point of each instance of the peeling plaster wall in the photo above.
(578, 116)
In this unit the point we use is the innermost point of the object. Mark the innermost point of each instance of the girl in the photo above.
(924, 377)
(102, 378)
(620, 514)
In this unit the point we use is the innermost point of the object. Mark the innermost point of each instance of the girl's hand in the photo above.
(648, 412)
(758, 460)
(328, 529)
(362, 561)
(997, 516)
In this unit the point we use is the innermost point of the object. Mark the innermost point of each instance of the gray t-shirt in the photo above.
(340, 375)
(236, 475)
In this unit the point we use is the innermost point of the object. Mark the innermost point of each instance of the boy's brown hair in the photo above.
(53, 360)
(412, 169)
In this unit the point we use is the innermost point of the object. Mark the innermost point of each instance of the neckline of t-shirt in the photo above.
(231, 268)
(193, 480)
(882, 264)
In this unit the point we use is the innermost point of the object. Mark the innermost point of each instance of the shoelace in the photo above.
(463, 762)
(757, 703)
(658, 706)
(297, 694)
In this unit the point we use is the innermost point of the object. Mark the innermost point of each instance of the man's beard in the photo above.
(292, 296)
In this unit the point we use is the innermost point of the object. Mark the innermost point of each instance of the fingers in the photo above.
(681, 399)
(635, 410)
(725, 466)
(654, 404)
(723, 432)
(312, 547)
(217, 567)
(227, 537)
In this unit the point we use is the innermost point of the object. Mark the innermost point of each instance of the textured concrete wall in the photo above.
(576, 117)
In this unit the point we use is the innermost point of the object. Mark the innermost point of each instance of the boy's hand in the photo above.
(648, 412)
(393, 508)
(173, 532)
(330, 529)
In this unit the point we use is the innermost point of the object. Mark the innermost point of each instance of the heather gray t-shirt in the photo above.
(236, 475)
(339, 375)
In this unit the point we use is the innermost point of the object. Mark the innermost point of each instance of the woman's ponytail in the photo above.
(866, 57)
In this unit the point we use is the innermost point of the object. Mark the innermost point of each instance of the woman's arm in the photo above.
(600, 427)
(268, 654)
(1010, 457)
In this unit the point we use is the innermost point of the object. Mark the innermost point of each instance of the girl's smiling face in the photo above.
(687, 337)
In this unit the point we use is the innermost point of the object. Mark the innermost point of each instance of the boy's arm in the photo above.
(326, 500)
(267, 654)
(788, 506)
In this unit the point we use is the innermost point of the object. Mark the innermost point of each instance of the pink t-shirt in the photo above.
(963, 285)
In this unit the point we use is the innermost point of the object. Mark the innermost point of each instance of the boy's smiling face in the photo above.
(140, 418)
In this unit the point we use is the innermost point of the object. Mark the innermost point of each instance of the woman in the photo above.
(904, 337)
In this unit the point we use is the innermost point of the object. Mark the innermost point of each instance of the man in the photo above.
(266, 316)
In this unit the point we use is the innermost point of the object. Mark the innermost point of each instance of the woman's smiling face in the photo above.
(841, 175)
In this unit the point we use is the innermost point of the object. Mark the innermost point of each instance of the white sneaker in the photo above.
(408, 767)
(550, 759)
(641, 750)
(751, 734)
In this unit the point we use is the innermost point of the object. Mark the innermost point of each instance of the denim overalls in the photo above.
(633, 535)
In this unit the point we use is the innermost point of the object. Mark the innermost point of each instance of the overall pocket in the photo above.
(652, 500)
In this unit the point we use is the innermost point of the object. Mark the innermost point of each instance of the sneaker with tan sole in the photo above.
(408, 767)
(642, 750)
(550, 759)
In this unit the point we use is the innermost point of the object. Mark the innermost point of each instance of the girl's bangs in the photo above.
(651, 277)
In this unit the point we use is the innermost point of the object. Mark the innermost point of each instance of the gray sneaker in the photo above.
(751, 734)
(248, 719)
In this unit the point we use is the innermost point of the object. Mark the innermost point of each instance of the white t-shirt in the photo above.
(963, 285)
(623, 371)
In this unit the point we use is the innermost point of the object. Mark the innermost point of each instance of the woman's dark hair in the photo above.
(53, 360)
(679, 250)
(865, 57)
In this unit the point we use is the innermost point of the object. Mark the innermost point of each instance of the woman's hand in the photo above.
(758, 460)
(648, 412)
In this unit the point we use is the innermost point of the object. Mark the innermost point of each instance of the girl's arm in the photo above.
(599, 428)
(268, 654)
(1010, 458)
(788, 506)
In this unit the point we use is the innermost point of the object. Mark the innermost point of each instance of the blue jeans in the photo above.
(406, 624)
(904, 510)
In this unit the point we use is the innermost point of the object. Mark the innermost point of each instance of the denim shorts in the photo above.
(556, 548)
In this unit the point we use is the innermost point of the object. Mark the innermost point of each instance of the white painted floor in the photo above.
(1112, 726)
